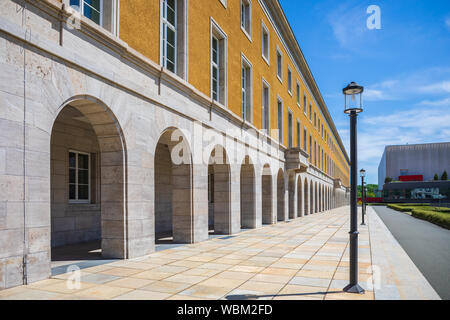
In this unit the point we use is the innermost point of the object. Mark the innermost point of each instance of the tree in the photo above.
(387, 180)
(444, 176)
(436, 178)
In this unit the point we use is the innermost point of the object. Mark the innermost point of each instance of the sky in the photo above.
(404, 67)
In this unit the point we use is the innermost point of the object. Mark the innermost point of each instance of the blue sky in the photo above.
(404, 67)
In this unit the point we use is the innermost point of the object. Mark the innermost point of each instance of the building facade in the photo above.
(129, 121)
(414, 162)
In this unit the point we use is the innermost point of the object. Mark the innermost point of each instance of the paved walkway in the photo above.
(306, 258)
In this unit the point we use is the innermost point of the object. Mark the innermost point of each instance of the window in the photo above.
(173, 46)
(318, 147)
(298, 94)
(265, 106)
(315, 119)
(246, 87)
(279, 65)
(304, 104)
(280, 120)
(315, 153)
(218, 64)
(289, 78)
(310, 112)
(310, 149)
(91, 9)
(290, 134)
(298, 134)
(265, 42)
(79, 177)
(319, 125)
(246, 17)
(305, 147)
(223, 2)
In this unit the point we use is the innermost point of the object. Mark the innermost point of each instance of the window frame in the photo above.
(245, 61)
(265, 84)
(299, 134)
(216, 32)
(279, 67)
(290, 129)
(81, 7)
(298, 88)
(289, 80)
(280, 117)
(78, 201)
(174, 28)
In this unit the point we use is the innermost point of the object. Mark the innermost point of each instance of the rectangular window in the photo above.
(304, 104)
(265, 44)
(318, 147)
(265, 106)
(218, 64)
(280, 121)
(246, 16)
(305, 147)
(289, 79)
(279, 65)
(246, 85)
(310, 149)
(91, 9)
(298, 94)
(315, 119)
(319, 125)
(315, 153)
(290, 129)
(79, 177)
(169, 33)
(298, 134)
(310, 112)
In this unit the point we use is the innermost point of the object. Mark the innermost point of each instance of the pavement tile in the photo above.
(201, 272)
(132, 283)
(222, 282)
(245, 268)
(143, 295)
(272, 278)
(279, 271)
(103, 292)
(314, 282)
(297, 291)
(121, 272)
(98, 278)
(203, 291)
(166, 286)
(186, 278)
(259, 286)
(152, 275)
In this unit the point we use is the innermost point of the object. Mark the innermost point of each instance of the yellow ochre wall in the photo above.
(140, 28)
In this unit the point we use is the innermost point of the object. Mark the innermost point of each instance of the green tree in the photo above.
(436, 178)
(444, 176)
(387, 180)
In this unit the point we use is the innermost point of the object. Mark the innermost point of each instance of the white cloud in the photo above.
(447, 22)
(439, 87)
(436, 103)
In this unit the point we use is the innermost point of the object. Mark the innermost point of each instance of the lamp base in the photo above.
(356, 288)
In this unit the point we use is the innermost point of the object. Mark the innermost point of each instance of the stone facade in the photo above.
(92, 93)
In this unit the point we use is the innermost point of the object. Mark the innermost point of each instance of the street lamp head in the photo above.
(362, 173)
(354, 93)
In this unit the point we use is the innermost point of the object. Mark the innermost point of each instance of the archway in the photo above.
(311, 197)
(306, 194)
(248, 207)
(316, 197)
(291, 193)
(87, 163)
(219, 195)
(280, 196)
(267, 197)
(299, 197)
(173, 189)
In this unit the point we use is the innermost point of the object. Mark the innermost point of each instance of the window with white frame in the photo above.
(173, 32)
(246, 87)
(224, 2)
(304, 104)
(79, 177)
(280, 120)
(315, 120)
(305, 135)
(265, 106)
(218, 64)
(290, 130)
(265, 44)
(298, 134)
(310, 112)
(91, 9)
(246, 16)
(298, 94)
(279, 65)
(289, 80)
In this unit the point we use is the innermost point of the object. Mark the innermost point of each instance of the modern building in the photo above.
(125, 122)
(414, 162)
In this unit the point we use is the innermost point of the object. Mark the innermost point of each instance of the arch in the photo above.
(291, 193)
(248, 198)
(267, 197)
(316, 197)
(306, 196)
(299, 197)
(219, 191)
(88, 176)
(280, 196)
(173, 189)
(311, 197)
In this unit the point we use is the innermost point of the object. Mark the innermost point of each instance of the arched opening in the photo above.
(173, 189)
(306, 194)
(291, 192)
(87, 163)
(316, 197)
(280, 196)
(219, 209)
(267, 198)
(311, 197)
(248, 208)
(299, 197)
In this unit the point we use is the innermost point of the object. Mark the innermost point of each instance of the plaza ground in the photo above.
(305, 259)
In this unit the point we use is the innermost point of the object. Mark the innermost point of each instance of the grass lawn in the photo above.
(436, 215)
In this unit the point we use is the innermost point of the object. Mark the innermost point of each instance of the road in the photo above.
(426, 244)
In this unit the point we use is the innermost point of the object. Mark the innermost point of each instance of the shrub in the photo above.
(387, 180)
(444, 176)
(436, 178)
(440, 218)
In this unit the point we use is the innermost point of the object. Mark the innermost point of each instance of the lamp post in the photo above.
(353, 93)
(362, 174)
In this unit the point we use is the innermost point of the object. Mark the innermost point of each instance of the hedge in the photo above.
(440, 218)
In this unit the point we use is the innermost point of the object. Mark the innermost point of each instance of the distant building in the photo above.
(414, 162)
(412, 169)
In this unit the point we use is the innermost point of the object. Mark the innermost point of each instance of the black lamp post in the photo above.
(353, 93)
(362, 174)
